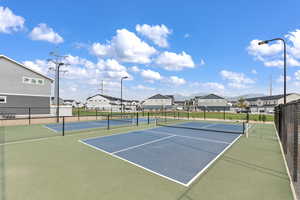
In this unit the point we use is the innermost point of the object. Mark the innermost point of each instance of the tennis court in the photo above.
(179, 153)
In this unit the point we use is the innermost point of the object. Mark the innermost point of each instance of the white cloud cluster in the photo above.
(142, 87)
(174, 62)
(10, 22)
(151, 75)
(135, 69)
(40, 66)
(125, 46)
(236, 80)
(158, 33)
(176, 80)
(253, 71)
(44, 33)
(297, 75)
(214, 85)
(280, 79)
(112, 69)
(272, 54)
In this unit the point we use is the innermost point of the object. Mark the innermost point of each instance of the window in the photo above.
(34, 81)
(2, 99)
(26, 80)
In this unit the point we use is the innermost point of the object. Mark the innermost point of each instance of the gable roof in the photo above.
(111, 98)
(273, 97)
(210, 96)
(159, 96)
(23, 66)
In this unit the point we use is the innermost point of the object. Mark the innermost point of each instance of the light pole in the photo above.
(124, 77)
(284, 63)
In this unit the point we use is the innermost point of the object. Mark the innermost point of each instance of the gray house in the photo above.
(210, 102)
(21, 88)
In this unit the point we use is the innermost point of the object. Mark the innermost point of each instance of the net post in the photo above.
(108, 122)
(148, 118)
(63, 126)
(137, 119)
(29, 115)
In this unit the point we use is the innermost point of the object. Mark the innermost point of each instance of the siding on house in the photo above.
(22, 87)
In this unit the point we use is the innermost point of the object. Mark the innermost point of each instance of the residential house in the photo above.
(158, 101)
(22, 88)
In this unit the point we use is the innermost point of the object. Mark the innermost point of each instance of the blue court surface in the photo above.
(77, 126)
(178, 154)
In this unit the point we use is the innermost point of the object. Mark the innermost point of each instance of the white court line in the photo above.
(137, 165)
(146, 143)
(27, 141)
(198, 138)
(45, 126)
(212, 161)
(166, 177)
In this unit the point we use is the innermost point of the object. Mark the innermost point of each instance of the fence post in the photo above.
(204, 113)
(148, 118)
(96, 114)
(137, 119)
(188, 114)
(78, 113)
(29, 115)
(63, 126)
(178, 115)
(224, 114)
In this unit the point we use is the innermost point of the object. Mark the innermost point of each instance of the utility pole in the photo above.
(58, 61)
(271, 85)
(102, 87)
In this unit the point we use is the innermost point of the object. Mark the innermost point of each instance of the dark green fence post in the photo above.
(96, 114)
(137, 119)
(148, 118)
(78, 113)
(29, 115)
(224, 117)
(204, 114)
(63, 126)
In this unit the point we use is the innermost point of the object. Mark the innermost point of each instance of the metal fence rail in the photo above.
(287, 122)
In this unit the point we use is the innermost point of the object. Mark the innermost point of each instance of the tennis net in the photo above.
(233, 128)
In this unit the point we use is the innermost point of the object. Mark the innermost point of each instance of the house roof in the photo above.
(21, 65)
(210, 96)
(159, 96)
(273, 97)
(111, 98)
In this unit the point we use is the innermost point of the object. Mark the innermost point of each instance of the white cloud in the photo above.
(125, 47)
(158, 33)
(142, 87)
(151, 75)
(271, 55)
(280, 79)
(187, 35)
(236, 80)
(214, 85)
(176, 80)
(45, 33)
(253, 71)
(38, 65)
(10, 22)
(174, 62)
(112, 69)
(297, 75)
(202, 62)
(294, 37)
(135, 69)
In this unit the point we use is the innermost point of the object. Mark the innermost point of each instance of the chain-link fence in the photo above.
(287, 121)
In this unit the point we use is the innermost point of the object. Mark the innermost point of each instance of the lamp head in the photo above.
(263, 42)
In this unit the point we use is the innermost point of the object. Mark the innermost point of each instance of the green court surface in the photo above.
(63, 168)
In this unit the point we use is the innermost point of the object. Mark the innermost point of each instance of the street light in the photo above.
(124, 77)
(284, 63)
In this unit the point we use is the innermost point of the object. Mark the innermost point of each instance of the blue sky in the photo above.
(164, 47)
